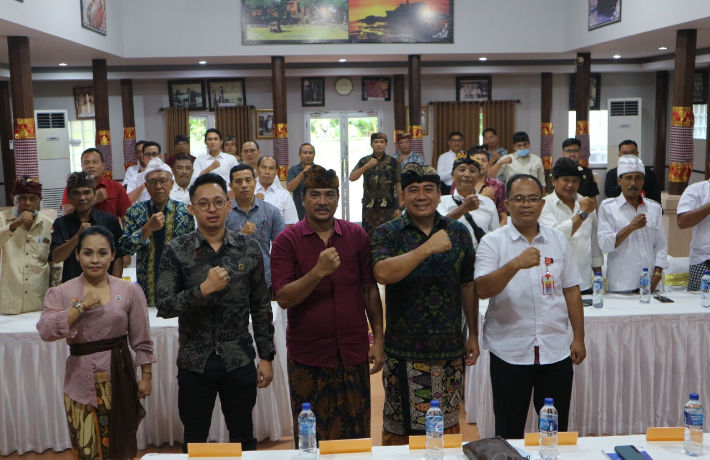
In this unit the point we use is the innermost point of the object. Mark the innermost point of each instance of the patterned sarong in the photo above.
(88, 426)
(339, 396)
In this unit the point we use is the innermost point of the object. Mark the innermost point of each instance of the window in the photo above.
(199, 124)
(700, 129)
(82, 135)
(598, 134)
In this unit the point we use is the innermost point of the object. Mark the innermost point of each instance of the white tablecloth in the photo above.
(642, 362)
(32, 415)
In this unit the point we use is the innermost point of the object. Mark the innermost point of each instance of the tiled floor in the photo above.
(469, 432)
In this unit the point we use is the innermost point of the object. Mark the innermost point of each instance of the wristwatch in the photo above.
(79, 306)
(583, 215)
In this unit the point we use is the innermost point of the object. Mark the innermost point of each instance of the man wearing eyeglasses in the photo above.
(651, 187)
(530, 275)
(152, 224)
(136, 188)
(571, 148)
(213, 279)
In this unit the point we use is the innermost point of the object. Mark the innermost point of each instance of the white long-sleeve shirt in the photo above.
(445, 166)
(281, 198)
(694, 197)
(226, 163)
(584, 243)
(646, 247)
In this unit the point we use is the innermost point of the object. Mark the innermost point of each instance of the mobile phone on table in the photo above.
(587, 302)
(663, 299)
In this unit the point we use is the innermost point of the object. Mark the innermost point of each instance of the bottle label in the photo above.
(435, 424)
(547, 424)
(598, 285)
(705, 285)
(693, 419)
(645, 282)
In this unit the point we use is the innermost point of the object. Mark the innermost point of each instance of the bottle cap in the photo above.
(306, 406)
(549, 402)
(645, 269)
(598, 273)
(706, 272)
(694, 397)
(434, 404)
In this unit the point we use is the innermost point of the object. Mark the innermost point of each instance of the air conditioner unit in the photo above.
(53, 154)
(624, 123)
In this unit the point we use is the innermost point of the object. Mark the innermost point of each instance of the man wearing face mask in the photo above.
(520, 162)
(24, 250)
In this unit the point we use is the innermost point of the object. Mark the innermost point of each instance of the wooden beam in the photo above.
(400, 115)
(8, 159)
(547, 136)
(582, 87)
(661, 129)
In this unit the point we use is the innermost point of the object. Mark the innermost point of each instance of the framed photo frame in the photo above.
(595, 88)
(473, 89)
(187, 93)
(226, 92)
(376, 88)
(312, 92)
(700, 87)
(425, 119)
(264, 123)
(93, 15)
(604, 12)
(84, 103)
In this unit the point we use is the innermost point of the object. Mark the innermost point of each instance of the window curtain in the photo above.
(177, 121)
(455, 116)
(235, 121)
(500, 115)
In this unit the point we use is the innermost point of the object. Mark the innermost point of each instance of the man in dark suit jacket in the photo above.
(651, 187)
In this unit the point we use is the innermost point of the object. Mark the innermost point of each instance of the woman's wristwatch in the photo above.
(79, 305)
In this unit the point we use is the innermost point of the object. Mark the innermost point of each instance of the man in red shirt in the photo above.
(321, 272)
(111, 197)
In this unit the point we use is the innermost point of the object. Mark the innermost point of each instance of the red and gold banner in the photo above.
(103, 137)
(283, 173)
(547, 163)
(25, 128)
(129, 134)
(546, 129)
(582, 127)
(281, 131)
(683, 116)
(416, 132)
(679, 172)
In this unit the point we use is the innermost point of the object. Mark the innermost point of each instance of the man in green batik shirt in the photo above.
(152, 224)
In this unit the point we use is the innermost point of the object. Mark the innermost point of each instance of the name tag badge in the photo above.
(548, 281)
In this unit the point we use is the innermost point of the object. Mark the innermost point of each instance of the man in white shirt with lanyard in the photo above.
(446, 161)
(530, 275)
(576, 217)
(215, 161)
(631, 231)
(133, 171)
(270, 190)
(693, 211)
(477, 212)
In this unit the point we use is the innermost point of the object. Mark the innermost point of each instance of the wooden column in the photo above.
(278, 90)
(8, 160)
(415, 103)
(129, 125)
(707, 144)
(681, 155)
(103, 128)
(400, 113)
(581, 103)
(661, 129)
(547, 133)
(25, 144)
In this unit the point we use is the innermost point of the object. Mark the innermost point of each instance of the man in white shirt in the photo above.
(251, 154)
(693, 211)
(520, 162)
(530, 275)
(267, 190)
(445, 163)
(215, 161)
(477, 212)
(182, 170)
(631, 231)
(576, 217)
(133, 171)
(136, 186)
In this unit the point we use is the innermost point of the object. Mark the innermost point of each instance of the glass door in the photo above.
(340, 140)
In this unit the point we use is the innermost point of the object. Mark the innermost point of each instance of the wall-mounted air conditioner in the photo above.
(624, 123)
(53, 154)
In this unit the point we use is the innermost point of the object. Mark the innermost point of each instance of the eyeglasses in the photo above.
(181, 143)
(151, 154)
(204, 205)
(154, 182)
(572, 150)
(517, 199)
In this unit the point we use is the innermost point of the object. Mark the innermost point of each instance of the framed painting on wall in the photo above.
(603, 12)
(93, 15)
(473, 89)
(84, 103)
(312, 92)
(226, 92)
(376, 88)
(187, 93)
(264, 123)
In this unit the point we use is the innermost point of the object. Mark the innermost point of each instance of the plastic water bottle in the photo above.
(598, 290)
(645, 286)
(434, 432)
(693, 414)
(307, 447)
(548, 430)
(705, 290)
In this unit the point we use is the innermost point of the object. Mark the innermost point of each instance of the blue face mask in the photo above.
(523, 153)
(18, 215)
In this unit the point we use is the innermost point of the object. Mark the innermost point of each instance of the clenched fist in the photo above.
(156, 222)
(440, 242)
(471, 203)
(260, 196)
(638, 222)
(82, 227)
(215, 164)
(488, 192)
(101, 195)
(328, 262)
(372, 163)
(217, 279)
(529, 258)
(249, 228)
(25, 220)
(91, 300)
(588, 204)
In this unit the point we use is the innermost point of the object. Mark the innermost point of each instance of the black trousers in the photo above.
(513, 384)
(197, 393)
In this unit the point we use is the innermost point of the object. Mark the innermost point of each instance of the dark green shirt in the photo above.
(379, 183)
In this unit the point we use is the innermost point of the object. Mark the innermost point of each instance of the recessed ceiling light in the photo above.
(662, 47)
(482, 58)
(617, 56)
(202, 62)
(342, 60)
(63, 64)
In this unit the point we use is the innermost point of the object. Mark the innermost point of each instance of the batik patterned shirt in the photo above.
(413, 157)
(424, 309)
(178, 221)
(219, 322)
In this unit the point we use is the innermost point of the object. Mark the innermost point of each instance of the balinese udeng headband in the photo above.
(630, 163)
(465, 158)
(566, 167)
(25, 185)
(416, 173)
(319, 177)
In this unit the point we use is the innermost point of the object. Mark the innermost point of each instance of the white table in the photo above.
(32, 415)
(586, 449)
(642, 362)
